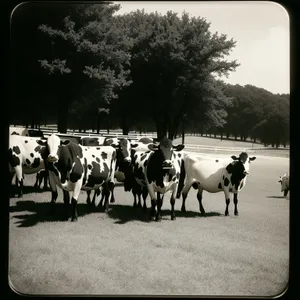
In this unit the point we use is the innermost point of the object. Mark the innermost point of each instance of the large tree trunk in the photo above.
(125, 126)
(62, 121)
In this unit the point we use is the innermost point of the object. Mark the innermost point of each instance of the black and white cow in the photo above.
(74, 167)
(162, 173)
(25, 156)
(213, 176)
(91, 140)
(122, 146)
(285, 183)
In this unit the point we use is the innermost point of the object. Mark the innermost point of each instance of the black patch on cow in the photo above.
(93, 155)
(16, 149)
(96, 177)
(143, 156)
(31, 154)
(177, 175)
(97, 159)
(230, 190)
(220, 186)
(179, 154)
(98, 148)
(226, 182)
(77, 170)
(237, 173)
(85, 166)
(89, 166)
(27, 161)
(37, 148)
(26, 141)
(223, 177)
(13, 159)
(104, 155)
(229, 168)
(36, 162)
(145, 163)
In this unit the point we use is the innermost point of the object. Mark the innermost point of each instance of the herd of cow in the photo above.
(144, 166)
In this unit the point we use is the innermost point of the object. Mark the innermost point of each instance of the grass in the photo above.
(122, 253)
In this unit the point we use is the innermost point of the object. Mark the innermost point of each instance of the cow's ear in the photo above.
(42, 143)
(65, 142)
(234, 157)
(178, 147)
(252, 158)
(114, 145)
(153, 147)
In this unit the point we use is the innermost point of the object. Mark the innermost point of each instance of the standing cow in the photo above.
(74, 167)
(213, 176)
(162, 173)
(285, 183)
(25, 156)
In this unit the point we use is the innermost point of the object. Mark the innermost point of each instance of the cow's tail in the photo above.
(181, 180)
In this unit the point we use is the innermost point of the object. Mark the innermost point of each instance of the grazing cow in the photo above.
(162, 172)
(74, 167)
(40, 176)
(25, 156)
(214, 175)
(285, 183)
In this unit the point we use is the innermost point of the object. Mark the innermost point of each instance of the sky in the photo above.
(260, 29)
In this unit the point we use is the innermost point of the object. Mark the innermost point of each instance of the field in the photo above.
(122, 253)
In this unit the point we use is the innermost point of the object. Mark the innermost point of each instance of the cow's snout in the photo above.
(52, 158)
(167, 164)
(127, 159)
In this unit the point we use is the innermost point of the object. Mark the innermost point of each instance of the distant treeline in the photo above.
(81, 66)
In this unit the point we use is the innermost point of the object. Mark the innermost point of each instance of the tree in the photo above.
(172, 63)
(90, 57)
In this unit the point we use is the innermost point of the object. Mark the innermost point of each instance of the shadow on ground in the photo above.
(40, 212)
(276, 197)
(28, 190)
(125, 213)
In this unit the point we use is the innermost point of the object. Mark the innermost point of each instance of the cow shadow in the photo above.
(40, 212)
(28, 190)
(125, 213)
(276, 197)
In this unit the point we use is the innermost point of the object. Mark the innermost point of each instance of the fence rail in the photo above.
(135, 136)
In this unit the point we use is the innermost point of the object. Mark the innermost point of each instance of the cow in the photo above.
(213, 176)
(74, 167)
(135, 178)
(285, 183)
(162, 173)
(40, 176)
(122, 147)
(91, 140)
(25, 156)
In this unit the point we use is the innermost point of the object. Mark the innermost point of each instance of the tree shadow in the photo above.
(125, 213)
(40, 212)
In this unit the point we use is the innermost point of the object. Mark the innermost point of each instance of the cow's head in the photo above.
(242, 163)
(123, 147)
(54, 143)
(165, 151)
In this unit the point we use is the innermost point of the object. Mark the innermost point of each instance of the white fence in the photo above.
(135, 136)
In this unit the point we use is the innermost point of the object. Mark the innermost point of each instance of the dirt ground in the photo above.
(121, 253)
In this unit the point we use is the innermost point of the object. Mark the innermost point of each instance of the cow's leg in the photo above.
(19, 181)
(235, 201)
(111, 186)
(106, 192)
(139, 198)
(37, 177)
(88, 199)
(185, 192)
(45, 180)
(227, 199)
(134, 198)
(66, 196)
(153, 201)
(172, 201)
(144, 194)
(199, 197)
(54, 193)
(159, 205)
(76, 193)
(97, 193)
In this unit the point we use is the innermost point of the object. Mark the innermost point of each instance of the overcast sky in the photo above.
(261, 30)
